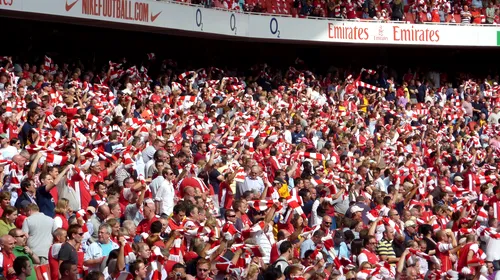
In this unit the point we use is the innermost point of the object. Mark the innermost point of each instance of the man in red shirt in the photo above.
(176, 222)
(8, 243)
(149, 216)
(203, 270)
(98, 175)
(368, 253)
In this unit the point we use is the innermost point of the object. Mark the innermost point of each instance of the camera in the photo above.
(178, 274)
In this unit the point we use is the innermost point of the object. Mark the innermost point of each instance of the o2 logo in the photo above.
(232, 24)
(274, 27)
(199, 19)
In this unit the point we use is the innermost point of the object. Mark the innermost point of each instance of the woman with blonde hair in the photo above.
(7, 220)
(253, 272)
(62, 210)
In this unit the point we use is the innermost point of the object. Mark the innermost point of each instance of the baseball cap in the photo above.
(4, 136)
(410, 223)
(458, 179)
(356, 208)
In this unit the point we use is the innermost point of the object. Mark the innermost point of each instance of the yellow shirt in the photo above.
(5, 228)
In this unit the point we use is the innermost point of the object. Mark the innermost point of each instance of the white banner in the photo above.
(196, 19)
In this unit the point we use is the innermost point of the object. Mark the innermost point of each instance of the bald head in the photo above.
(283, 234)
(19, 160)
(103, 211)
(189, 191)
(7, 242)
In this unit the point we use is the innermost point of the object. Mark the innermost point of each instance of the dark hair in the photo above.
(425, 229)
(31, 114)
(156, 227)
(134, 266)
(303, 192)
(65, 266)
(181, 207)
(178, 265)
(98, 184)
(189, 209)
(94, 275)
(356, 246)
(25, 184)
(285, 246)
(349, 235)
(272, 273)
(112, 255)
(20, 263)
(308, 253)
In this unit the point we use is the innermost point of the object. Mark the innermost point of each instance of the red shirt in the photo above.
(462, 257)
(173, 225)
(97, 178)
(245, 220)
(20, 220)
(71, 112)
(493, 200)
(145, 225)
(64, 220)
(372, 257)
(8, 262)
(54, 265)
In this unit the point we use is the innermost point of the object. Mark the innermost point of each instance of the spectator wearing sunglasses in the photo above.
(68, 251)
(164, 195)
(203, 270)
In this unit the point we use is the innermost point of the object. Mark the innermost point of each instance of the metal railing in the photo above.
(326, 18)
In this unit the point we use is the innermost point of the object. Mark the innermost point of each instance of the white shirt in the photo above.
(265, 245)
(9, 152)
(252, 184)
(147, 167)
(94, 251)
(380, 184)
(155, 185)
(165, 195)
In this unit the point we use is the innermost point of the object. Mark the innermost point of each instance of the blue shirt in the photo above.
(45, 202)
(306, 246)
(106, 248)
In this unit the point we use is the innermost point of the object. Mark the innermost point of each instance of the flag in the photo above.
(496, 209)
(47, 63)
(56, 159)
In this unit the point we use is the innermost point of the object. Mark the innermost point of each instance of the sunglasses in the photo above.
(203, 269)
(80, 233)
(232, 216)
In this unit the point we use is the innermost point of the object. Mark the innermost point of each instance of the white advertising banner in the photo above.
(196, 19)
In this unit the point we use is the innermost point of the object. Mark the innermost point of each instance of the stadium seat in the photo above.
(409, 17)
(458, 19)
(42, 271)
(218, 4)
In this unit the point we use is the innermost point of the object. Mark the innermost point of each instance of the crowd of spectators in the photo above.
(421, 11)
(272, 174)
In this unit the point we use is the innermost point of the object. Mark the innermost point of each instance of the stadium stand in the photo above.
(436, 12)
